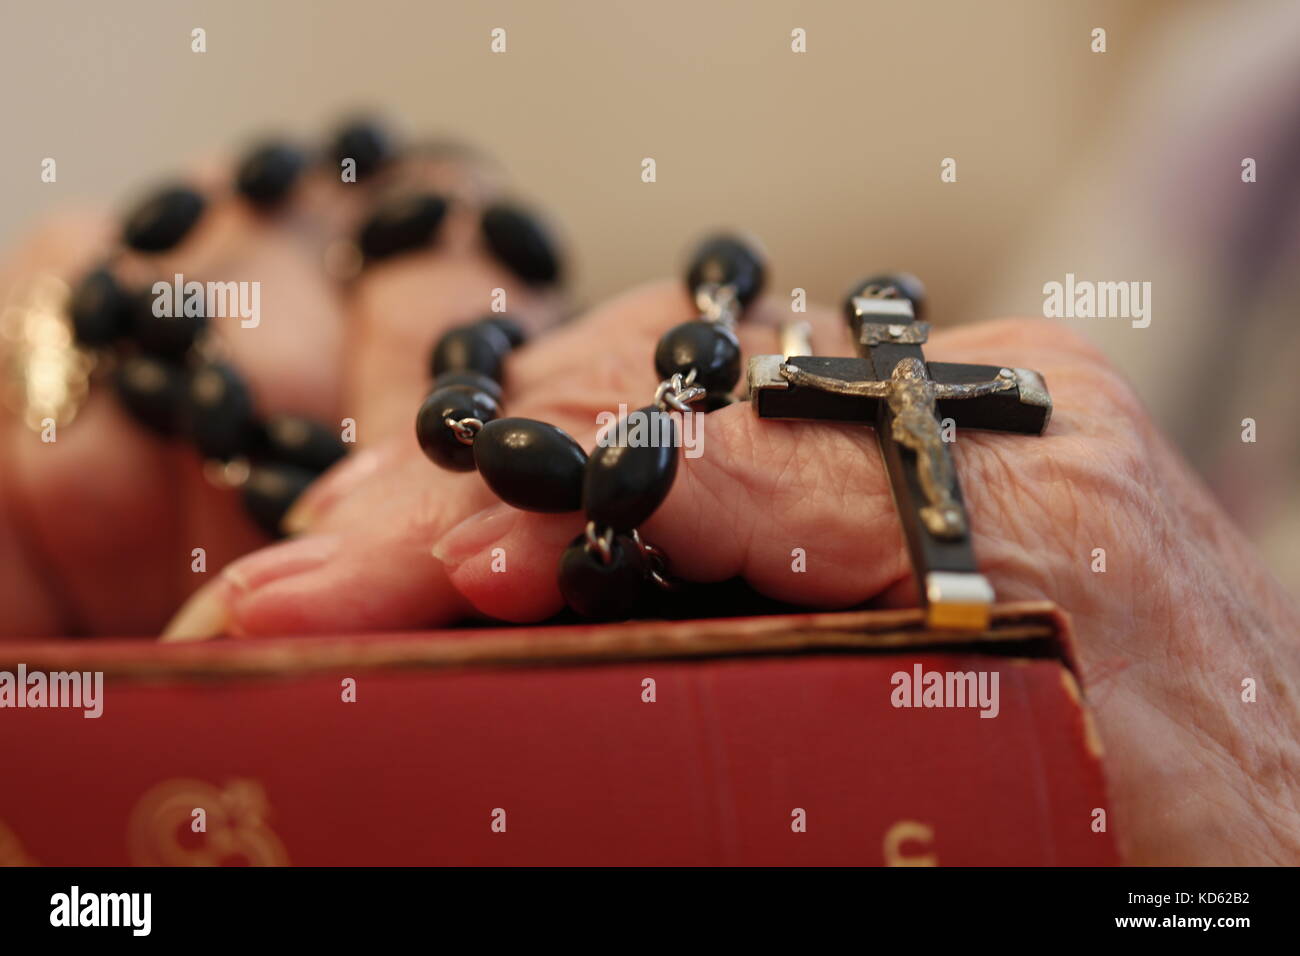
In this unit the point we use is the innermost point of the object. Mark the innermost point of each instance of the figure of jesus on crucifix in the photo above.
(911, 395)
(891, 387)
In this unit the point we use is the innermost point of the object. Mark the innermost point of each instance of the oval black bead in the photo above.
(267, 175)
(163, 219)
(513, 331)
(473, 379)
(167, 336)
(478, 348)
(598, 590)
(711, 349)
(366, 143)
(270, 492)
(300, 442)
(530, 464)
(521, 243)
(624, 484)
(908, 286)
(402, 224)
(100, 309)
(727, 260)
(437, 440)
(219, 412)
(152, 392)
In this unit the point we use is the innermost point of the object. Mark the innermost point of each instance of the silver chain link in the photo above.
(602, 543)
(465, 428)
(718, 303)
(657, 560)
(677, 393)
(887, 291)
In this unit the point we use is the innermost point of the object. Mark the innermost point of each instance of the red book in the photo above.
(770, 740)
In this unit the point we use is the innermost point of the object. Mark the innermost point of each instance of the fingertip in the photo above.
(522, 597)
(504, 562)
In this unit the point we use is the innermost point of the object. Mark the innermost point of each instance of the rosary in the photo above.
(169, 372)
(537, 467)
(170, 375)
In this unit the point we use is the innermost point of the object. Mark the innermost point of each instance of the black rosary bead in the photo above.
(479, 348)
(521, 243)
(530, 464)
(162, 220)
(300, 442)
(905, 286)
(268, 174)
(513, 331)
(473, 379)
(709, 348)
(167, 336)
(364, 142)
(152, 392)
(439, 440)
(603, 590)
(270, 492)
(100, 309)
(219, 411)
(726, 260)
(402, 224)
(625, 483)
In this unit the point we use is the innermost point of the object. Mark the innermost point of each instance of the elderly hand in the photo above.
(1182, 614)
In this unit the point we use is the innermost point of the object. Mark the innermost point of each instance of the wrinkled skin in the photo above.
(1183, 613)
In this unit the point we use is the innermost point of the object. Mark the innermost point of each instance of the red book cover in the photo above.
(778, 740)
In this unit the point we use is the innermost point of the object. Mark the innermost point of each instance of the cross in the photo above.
(892, 387)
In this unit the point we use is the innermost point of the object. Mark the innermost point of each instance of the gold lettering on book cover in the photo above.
(163, 831)
(11, 849)
(910, 832)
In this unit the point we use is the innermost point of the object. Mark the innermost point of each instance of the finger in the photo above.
(400, 311)
(145, 491)
(75, 499)
(402, 305)
(285, 332)
(560, 379)
(528, 590)
(804, 511)
(378, 577)
(390, 515)
(571, 378)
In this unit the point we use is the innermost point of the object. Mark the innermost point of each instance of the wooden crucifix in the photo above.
(892, 387)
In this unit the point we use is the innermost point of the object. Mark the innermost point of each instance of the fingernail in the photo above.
(207, 613)
(203, 616)
(474, 534)
(281, 560)
(322, 494)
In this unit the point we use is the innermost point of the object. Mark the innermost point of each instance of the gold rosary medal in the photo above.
(46, 377)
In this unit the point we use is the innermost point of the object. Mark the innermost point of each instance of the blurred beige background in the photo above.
(831, 157)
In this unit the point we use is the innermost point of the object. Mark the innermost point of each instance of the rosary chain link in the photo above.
(718, 303)
(602, 542)
(466, 429)
(678, 392)
(877, 291)
(657, 560)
